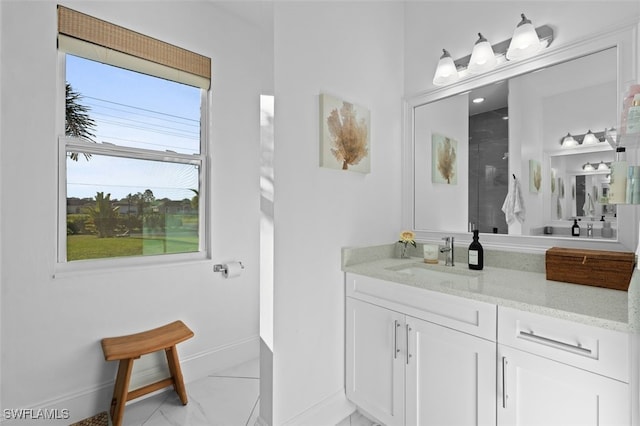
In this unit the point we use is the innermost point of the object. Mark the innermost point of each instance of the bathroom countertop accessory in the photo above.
(476, 253)
(575, 229)
(600, 268)
(430, 253)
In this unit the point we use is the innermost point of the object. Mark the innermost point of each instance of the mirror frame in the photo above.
(625, 40)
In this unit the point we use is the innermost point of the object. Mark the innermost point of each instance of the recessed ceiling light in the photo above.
(478, 100)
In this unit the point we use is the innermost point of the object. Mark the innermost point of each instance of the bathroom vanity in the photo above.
(436, 345)
(432, 344)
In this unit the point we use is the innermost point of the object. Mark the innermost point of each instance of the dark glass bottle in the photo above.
(476, 253)
(575, 229)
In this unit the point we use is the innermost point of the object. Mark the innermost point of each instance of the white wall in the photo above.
(352, 50)
(51, 327)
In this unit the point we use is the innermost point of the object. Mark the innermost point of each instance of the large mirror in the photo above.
(469, 147)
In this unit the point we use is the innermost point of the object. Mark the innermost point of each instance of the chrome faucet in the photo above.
(448, 249)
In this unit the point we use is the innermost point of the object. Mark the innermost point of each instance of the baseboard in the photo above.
(330, 411)
(79, 405)
(208, 362)
(63, 410)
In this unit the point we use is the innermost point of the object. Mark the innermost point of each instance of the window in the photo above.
(133, 158)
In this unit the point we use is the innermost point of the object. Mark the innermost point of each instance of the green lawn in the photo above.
(81, 247)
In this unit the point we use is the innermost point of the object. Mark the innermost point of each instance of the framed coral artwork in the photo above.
(535, 176)
(344, 135)
(444, 167)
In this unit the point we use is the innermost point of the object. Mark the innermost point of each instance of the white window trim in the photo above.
(62, 266)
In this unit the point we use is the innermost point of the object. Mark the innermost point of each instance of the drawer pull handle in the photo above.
(395, 339)
(408, 353)
(504, 382)
(545, 340)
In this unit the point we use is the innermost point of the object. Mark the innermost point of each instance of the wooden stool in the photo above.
(127, 348)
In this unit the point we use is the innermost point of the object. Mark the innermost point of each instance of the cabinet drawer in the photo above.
(591, 348)
(469, 316)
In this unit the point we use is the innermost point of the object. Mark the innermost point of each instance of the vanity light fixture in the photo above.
(590, 139)
(446, 73)
(480, 61)
(588, 167)
(569, 142)
(482, 57)
(525, 41)
(603, 166)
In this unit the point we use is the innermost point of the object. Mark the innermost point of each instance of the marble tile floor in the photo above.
(227, 398)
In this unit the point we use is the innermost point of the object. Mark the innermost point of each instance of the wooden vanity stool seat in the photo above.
(128, 348)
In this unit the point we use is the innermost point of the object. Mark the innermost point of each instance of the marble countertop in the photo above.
(510, 287)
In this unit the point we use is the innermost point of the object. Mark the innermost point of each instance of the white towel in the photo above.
(589, 208)
(513, 206)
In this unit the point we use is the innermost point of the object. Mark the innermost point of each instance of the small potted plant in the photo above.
(406, 238)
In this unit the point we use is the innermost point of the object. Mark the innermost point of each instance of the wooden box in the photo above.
(600, 268)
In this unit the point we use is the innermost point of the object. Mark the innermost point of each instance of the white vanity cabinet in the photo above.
(557, 372)
(417, 357)
(450, 376)
(374, 362)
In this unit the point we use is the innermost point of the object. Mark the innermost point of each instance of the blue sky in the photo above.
(134, 110)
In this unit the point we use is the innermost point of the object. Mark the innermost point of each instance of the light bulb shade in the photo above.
(588, 167)
(603, 166)
(590, 139)
(482, 57)
(569, 142)
(611, 135)
(525, 41)
(446, 73)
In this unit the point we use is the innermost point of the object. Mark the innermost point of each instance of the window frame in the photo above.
(75, 144)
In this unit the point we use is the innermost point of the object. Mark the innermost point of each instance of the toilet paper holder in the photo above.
(219, 267)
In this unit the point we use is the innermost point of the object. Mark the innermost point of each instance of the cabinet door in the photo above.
(451, 377)
(533, 390)
(374, 364)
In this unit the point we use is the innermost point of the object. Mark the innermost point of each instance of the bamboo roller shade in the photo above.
(106, 34)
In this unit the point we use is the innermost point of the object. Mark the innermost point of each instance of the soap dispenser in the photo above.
(476, 253)
(575, 229)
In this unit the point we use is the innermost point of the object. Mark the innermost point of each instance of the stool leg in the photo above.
(120, 391)
(176, 373)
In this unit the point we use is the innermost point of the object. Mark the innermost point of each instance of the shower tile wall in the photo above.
(488, 169)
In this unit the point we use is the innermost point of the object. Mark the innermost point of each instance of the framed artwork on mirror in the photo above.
(444, 167)
(535, 176)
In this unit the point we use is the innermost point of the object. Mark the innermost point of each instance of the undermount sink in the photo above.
(429, 269)
(447, 276)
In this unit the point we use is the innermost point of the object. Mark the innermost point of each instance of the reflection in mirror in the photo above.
(588, 103)
(488, 157)
(581, 192)
(516, 131)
